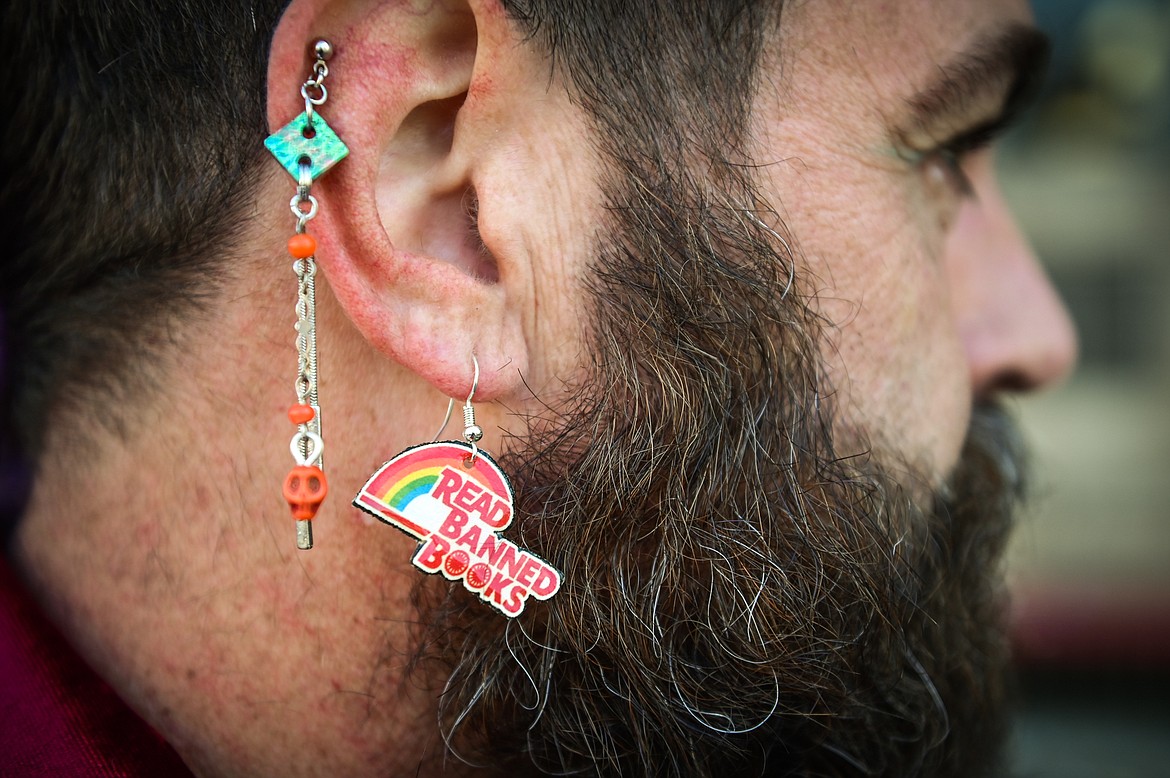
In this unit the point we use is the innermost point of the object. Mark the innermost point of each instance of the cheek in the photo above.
(892, 352)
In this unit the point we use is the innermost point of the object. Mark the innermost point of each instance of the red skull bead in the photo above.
(305, 488)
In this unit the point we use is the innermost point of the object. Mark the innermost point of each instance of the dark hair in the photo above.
(133, 139)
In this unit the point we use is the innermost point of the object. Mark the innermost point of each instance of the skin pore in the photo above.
(747, 391)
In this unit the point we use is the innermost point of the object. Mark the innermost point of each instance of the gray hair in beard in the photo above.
(741, 595)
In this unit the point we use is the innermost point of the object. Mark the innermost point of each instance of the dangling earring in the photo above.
(307, 147)
(455, 500)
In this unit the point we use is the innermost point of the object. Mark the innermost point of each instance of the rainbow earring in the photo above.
(307, 147)
(455, 500)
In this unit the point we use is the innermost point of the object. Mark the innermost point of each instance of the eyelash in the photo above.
(951, 154)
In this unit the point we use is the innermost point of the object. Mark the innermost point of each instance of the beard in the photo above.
(743, 593)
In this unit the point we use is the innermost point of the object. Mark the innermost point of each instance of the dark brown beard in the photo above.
(740, 597)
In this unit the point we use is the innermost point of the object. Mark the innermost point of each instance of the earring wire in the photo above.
(472, 432)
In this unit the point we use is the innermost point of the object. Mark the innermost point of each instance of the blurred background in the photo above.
(1088, 174)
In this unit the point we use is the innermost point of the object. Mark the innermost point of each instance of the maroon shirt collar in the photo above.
(57, 717)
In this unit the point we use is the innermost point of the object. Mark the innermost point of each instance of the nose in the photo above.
(1015, 329)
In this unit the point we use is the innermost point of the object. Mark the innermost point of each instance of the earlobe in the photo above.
(401, 248)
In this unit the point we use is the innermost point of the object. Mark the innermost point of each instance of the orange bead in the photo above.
(301, 414)
(302, 246)
(305, 489)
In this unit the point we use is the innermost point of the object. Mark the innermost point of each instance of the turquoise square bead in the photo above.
(289, 145)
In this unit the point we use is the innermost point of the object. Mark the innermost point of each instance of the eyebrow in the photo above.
(1010, 63)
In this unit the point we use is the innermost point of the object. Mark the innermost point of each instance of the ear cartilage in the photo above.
(307, 148)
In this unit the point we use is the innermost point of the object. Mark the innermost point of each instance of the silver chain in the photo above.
(314, 90)
(306, 445)
(306, 384)
(306, 326)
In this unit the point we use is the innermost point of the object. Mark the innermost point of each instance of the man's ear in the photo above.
(398, 232)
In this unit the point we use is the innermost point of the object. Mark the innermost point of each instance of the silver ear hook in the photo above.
(474, 382)
(472, 432)
(446, 419)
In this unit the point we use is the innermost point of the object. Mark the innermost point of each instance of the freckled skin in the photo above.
(248, 654)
